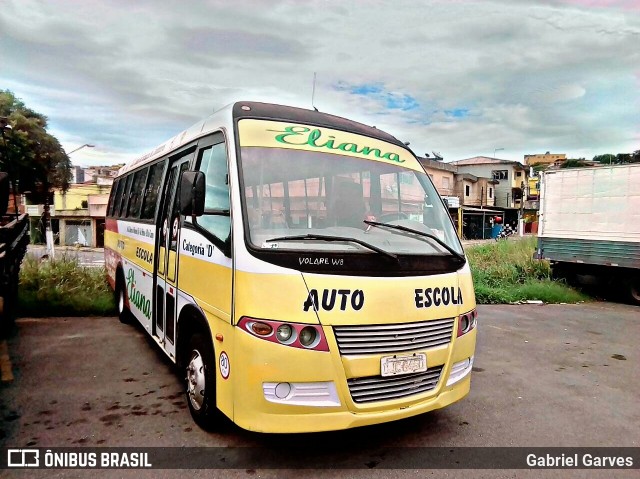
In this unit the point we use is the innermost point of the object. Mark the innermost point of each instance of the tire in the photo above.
(124, 314)
(200, 381)
(633, 290)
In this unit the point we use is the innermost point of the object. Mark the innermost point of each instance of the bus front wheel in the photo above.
(201, 381)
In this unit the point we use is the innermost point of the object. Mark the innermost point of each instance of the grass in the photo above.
(505, 272)
(62, 287)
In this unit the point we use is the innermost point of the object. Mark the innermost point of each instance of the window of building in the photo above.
(467, 190)
(445, 182)
(490, 192)
(500, 174)
(518, 174)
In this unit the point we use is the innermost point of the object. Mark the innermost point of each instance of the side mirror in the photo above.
(192, 189)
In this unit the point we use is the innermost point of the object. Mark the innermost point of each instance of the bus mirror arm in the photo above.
(192, 190)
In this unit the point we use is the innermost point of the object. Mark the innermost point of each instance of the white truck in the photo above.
(590, 225)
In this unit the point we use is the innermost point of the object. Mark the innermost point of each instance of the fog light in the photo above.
(282, 390)
(284, 333)
(308, 336)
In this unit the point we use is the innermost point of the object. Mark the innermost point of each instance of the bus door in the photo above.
(168, 237)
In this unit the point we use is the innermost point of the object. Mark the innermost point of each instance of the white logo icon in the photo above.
(23, 458)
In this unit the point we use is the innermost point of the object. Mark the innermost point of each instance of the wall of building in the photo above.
(503, 193)
(76, 195)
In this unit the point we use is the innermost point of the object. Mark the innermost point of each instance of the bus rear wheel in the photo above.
(200, 381)
(121, 303)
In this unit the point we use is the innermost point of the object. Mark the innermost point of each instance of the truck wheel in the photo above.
(633, 290)
(120, 294)
(564, 273)
(200, 381)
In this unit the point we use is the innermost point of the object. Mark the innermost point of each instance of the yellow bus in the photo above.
(300, 267)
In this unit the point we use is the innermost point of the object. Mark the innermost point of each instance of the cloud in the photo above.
(461, 77)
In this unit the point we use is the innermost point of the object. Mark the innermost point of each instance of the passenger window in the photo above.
(137, 190)
(125, 195)
(152, 191)
(112, 198)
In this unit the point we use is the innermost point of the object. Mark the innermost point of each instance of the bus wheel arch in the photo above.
(196, 357)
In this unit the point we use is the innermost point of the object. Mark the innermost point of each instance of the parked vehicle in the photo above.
(590, 225)
(299, 267)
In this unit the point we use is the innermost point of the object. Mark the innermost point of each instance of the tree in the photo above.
(605, 159)
(573, 163)
(34, 159)
(619, 159)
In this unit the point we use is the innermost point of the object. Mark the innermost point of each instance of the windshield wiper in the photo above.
(419, 233)
(334, 238)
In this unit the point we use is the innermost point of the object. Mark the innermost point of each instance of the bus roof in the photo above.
(257, 110)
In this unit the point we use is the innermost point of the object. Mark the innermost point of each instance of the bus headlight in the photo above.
(308, 336)
(284, 333)
(301, 336)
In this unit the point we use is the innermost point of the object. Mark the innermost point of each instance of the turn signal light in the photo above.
(261, 329)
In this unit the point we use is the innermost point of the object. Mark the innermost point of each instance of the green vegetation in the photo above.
(505, 272)
(61, 287)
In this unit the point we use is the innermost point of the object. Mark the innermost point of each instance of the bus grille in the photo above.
(378, 388)
(393, 338)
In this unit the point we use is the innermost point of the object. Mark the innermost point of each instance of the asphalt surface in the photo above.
(555, 375)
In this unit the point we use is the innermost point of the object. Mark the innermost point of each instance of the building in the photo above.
(474, 190)
(80, 214)
(545, 159)
(77, 215)
(442, 175)
(468, 197)
(511, 178)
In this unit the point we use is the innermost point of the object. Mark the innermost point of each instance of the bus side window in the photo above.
(212, 161)
(125, 195)
(137, 191)
(112, 198)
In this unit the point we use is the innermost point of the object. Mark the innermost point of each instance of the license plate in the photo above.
(395, 365)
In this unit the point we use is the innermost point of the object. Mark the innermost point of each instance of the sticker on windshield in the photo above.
(277, 134)
(266, 245)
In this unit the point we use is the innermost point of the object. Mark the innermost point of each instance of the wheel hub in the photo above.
(121, 302)
(196, 380)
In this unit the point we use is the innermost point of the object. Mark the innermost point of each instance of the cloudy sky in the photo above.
(459, 77)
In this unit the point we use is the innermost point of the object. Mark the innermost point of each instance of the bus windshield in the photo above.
(309, 200)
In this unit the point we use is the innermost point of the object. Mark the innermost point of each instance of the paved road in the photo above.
(556, 375)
